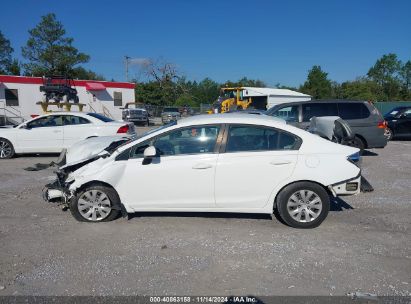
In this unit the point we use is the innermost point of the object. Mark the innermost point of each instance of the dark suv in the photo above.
(364, 119)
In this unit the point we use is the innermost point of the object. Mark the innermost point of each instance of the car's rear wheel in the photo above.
(303, 205)
(388, 133)
(6, 149)
(95, 204)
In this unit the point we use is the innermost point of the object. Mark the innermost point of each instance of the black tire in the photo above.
(359, 143)
(6, 149)
(389, 134)
(147, 123)
(109, 192)
(284, 209)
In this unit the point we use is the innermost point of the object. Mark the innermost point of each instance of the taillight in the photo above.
(382, 124)
(123, 129)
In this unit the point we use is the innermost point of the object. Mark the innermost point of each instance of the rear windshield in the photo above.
(100, 117)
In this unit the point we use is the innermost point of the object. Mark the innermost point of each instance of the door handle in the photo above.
(202, 166)
(280, 162)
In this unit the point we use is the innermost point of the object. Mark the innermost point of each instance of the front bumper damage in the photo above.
(59, 192)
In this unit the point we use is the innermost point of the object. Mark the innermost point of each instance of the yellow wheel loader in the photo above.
(230, 99)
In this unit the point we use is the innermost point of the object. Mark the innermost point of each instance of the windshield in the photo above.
(173, 123)
(393, 113)
(100, 117)
(170, 110)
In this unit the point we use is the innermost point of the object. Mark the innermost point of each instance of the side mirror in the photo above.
(150, 152)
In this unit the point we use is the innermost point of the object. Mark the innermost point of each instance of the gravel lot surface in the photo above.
(364, 245)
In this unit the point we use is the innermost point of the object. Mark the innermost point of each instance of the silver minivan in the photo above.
(363, 117)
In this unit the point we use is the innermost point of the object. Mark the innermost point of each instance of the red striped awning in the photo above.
(95, 86)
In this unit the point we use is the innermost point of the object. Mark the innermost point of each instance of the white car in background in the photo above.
(51, 133)
(213, 163)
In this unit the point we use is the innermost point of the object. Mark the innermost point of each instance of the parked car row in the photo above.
(256, 163)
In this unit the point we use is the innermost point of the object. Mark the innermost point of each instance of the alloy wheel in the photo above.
(5, 149)
(304, 206)
(94, 205)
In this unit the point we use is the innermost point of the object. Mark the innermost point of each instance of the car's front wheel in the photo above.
(6, 149)
(95, 204)
(303, 204)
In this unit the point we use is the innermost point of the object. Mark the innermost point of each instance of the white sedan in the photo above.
(213, 163)
(51, 133)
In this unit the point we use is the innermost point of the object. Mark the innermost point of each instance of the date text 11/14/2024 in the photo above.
(203, 299)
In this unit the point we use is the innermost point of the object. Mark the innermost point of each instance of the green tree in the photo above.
(8, 65)
(206, 91)
(317, 84)
(405, 78)
(385, 72)
(280, 86)
(385, 69)
(14, 68)
(82, 73)
(185, 100)
(245, 82)
(5, 54)
(49, 51)
(360, 89)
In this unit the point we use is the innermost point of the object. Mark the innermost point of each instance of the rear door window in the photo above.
(319, 110)
(353, 110)
(74, 120)
(242, 138)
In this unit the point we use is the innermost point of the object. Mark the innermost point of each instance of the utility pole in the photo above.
(126, 62)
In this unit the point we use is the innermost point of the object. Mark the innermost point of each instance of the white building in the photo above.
(268, 97)
(19, 95)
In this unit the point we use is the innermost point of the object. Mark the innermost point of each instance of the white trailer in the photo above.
(271, 97)
(19, 95)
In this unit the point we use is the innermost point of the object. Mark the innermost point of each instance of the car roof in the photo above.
(65, 113)
(400, 108)
(319, 101)
(240, 118)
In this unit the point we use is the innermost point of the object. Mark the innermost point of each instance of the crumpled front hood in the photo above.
(90, 166)
(92, 147)
(81, 162)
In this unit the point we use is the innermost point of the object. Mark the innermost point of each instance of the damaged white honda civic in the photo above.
(212, 163)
